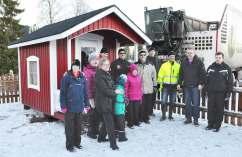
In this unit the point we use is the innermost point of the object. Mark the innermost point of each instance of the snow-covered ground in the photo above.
(18, 138)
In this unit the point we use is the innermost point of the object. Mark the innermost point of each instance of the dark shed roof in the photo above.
(59, 27)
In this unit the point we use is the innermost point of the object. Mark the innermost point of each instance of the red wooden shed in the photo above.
(44, 55)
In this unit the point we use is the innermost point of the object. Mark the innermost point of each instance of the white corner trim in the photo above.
(117, 47)
(19, 77)
(53, 76)
(69, 54)
(34, 59)
(85, 23)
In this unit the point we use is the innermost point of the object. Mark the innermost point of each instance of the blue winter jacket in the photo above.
(73, 93)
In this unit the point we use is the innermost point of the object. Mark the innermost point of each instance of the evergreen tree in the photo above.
(10, 30)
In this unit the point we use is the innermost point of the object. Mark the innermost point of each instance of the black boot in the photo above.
(188, 121)
(122, 136)
(113, 144)
(170, 112)
(91, 135)
(116, 133)
(209, 127)
(196, 122)
(163, 108)
(101, 139)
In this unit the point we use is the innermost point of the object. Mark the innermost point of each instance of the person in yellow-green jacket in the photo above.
(168, 77)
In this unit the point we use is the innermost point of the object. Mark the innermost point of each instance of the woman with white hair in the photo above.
(89, 72)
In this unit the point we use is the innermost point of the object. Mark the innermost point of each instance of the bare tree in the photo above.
(49, 10)
(80, 7)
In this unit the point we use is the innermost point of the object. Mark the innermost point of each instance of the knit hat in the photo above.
(93, 56)
(104, 50)
(171, 53)
(76, 62)
(122, 79)
(132, 67)
(142, 51)
(151, 49)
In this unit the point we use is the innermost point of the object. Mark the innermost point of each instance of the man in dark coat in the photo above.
(73, 99)
(104, 95)
(152, 59)
(104, 53)
(219, 85)
(120, 65)
(192, 79)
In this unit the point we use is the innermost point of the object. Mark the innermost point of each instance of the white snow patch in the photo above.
(18, 137)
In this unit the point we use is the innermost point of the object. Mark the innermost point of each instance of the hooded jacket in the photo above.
(133, 87)
(73, 93)
(89, 72)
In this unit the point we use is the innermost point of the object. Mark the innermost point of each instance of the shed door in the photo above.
(87, 44)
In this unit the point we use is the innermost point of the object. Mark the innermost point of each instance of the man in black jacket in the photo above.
(152, 59)
(120, 65)
(192, 78)
(219, 85)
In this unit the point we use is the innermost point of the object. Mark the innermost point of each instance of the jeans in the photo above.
(192, 101)
(171, 93)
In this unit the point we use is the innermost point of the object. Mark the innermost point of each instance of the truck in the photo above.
(170, 31)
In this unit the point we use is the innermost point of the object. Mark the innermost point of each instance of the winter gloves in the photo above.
(64, 110)
(86, 109)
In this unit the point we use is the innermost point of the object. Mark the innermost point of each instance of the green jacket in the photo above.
(119, 105)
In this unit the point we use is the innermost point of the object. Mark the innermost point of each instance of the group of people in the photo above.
(113, 93)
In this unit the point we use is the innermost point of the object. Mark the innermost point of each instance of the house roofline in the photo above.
(114, 9)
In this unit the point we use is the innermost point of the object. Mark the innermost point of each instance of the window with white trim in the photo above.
(33, 72)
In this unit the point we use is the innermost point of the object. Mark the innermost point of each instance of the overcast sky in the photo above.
(207, 10)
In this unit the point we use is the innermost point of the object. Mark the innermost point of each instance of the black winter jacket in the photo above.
(104, 92)
(219, 78)
(154, 61)
(119, 67)
(192, 74)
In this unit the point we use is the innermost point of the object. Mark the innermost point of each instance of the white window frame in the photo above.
(33, 59)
